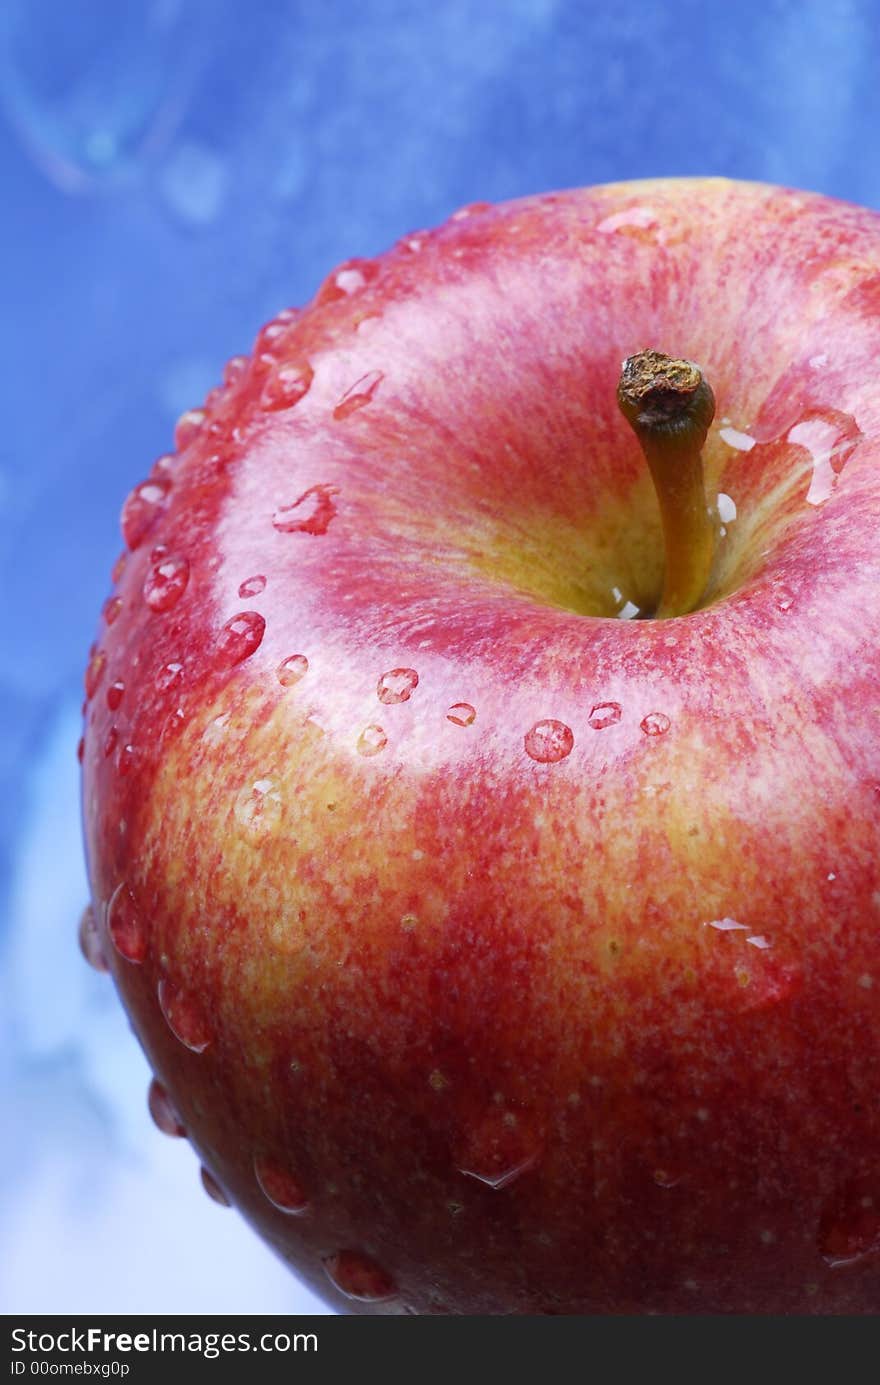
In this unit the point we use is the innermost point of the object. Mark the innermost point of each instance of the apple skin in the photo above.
(592, 1032)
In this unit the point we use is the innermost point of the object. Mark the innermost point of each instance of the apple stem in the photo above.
(670, 406)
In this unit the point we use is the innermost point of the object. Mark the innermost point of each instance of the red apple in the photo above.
(499, 955)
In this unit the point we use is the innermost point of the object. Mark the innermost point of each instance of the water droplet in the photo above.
(359, 1277)
(638, 222)
(604, 714)
(727, 925)
(174, 722)
(140, 511)
(169, 676)
(830, 438)
(758, 940)
(310, 514)
(270, 338)
(360, 393)
(280, 1187)
(235, 370)
(292, 669)
(365, 323)
(212, 1188)
(164, 467)
(127, 759)
(258, 807)
(665, 1178)
(286, 385)
(784, 599)
(118, 568)
(126, 926)
(94, 671)
(371, 740)
(252, 586)
(498, 1150)
(110, 742)
(655, 724)
(741, 442)
(849, 1227)
(414, 243)
(471, 209)
(90, 940)
(239, 638)
(166, 582)
(187, 428)
(115, 694)
(111, 608)
(158, 553)
(164, 1115)
(726, 508)
(349, 278)
(183, 1017)
(549, 741)
(461, 714)
(397, 686)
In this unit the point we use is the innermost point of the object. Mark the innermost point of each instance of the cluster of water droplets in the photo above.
(549, 740)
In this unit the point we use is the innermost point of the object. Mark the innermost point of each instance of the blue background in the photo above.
(172, 172)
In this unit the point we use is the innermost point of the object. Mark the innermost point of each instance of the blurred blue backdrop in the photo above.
(172, 172)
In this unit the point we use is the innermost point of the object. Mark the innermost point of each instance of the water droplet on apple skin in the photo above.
(90, 941)
(140, 511)
(461, 714)
(280, 1187)
(115, 694)
(849, 1225)
(162, 1111)
(183, 1016)
(188, 428)
(212, 1188)
(169, 676)
(311, 513)
(111, 609)
(292, 669)
(345, 281)
(371, 741)
(126, 926)
(235, 371)
(166, 582)
(252, 586)
(549, 741)
(397, 686)
(830, 438)
(286, 385)
(258, 808)
(358, 395)
(94, 671)
(604, 714)
(667, 1178)
(655, 724)
(638, 223)
(359, 1277)
(128, 758)
(239, 638)
(498, 1149)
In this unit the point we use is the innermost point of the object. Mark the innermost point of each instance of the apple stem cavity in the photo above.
(670, 406)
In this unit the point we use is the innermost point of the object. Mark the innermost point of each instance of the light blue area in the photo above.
(173, 171)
